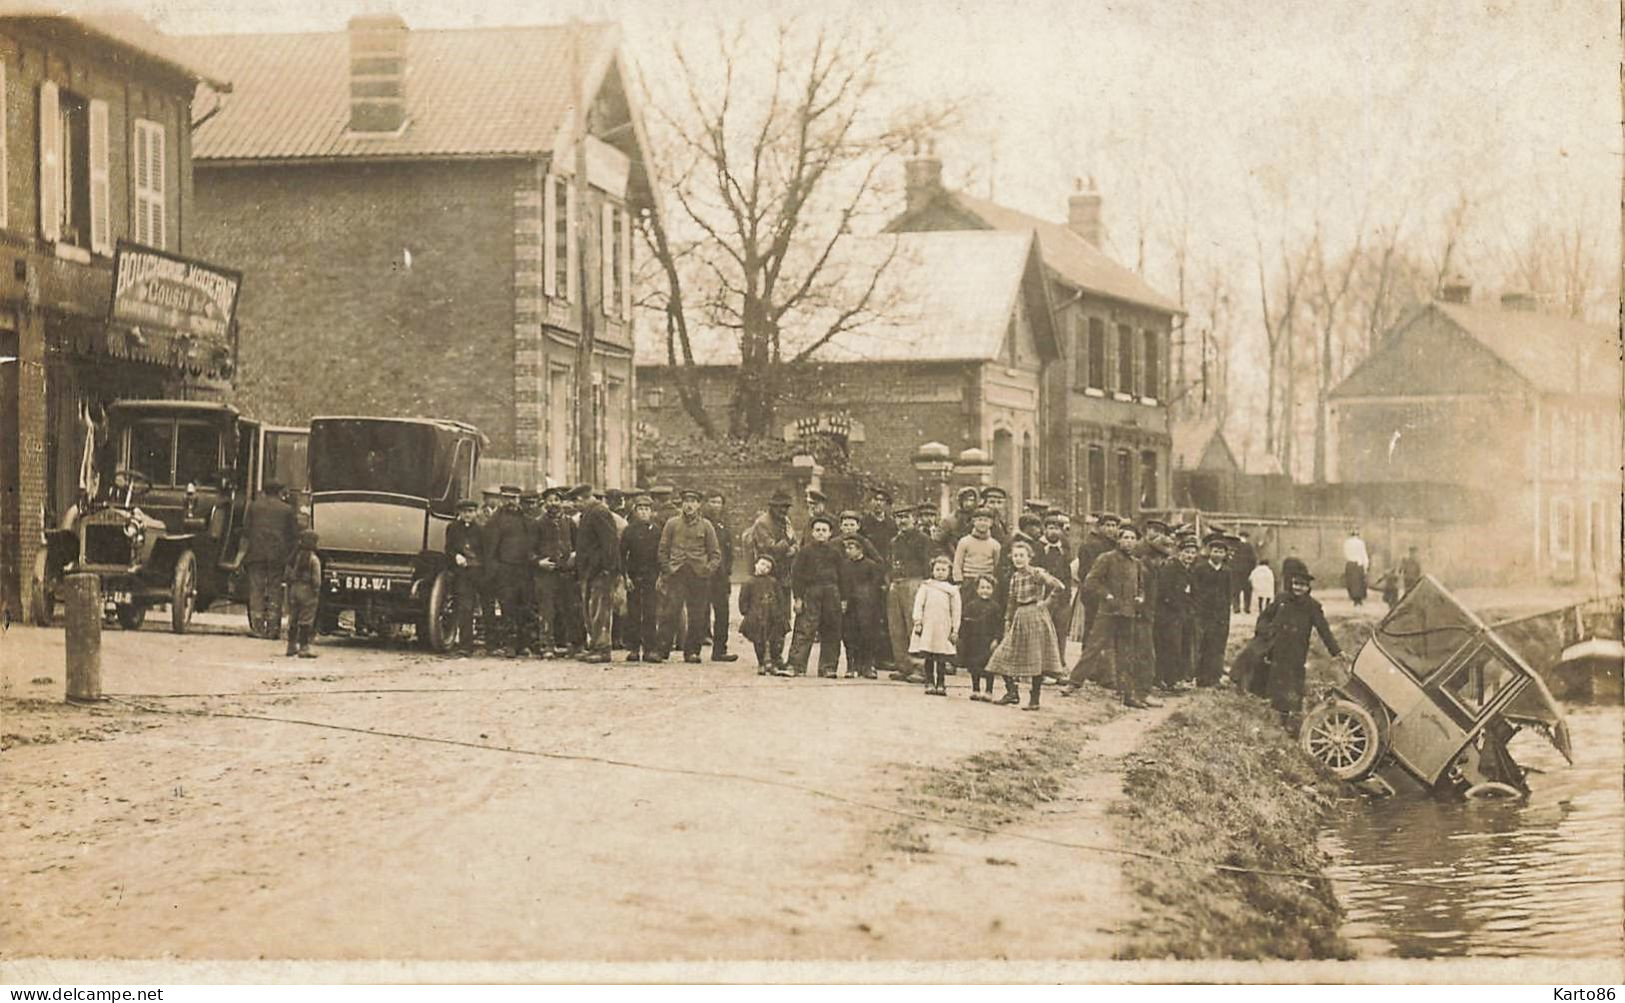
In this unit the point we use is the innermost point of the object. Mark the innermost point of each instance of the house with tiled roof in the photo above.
(952, 349)
(1107, 442)
(1518, 405)
(96, 115)
(426, 234)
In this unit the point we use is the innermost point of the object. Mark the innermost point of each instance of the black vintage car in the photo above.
(165, 524)
(383, 492)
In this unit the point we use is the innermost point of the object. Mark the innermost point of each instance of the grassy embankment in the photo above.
(1220, 782)
(993, 788)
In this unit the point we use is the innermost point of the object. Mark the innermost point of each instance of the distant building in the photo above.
(1204, 467)
(1106, 436)
(95, 150)
(421, 243)
(955, 354)
(1519, 406)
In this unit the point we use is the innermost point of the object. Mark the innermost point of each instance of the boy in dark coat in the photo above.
(1172, 629)
(764, 617)
(815, 585)
(1124, 595)
(640, 561)
(463, 552)
(598, 568)
(862, 583)
(303, 577)
(1210, 592)
(1286, 625)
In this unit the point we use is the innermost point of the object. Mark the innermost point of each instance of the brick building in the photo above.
(955, 355)
(1106, 437)
(412, 207)
(1519, 407)
(95, 151)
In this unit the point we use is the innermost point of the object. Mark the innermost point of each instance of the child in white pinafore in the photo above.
(936, 625)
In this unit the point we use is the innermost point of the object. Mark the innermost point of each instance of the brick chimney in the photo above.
(1517, 299)
(377, 73)
(922, 180)
(1083, 212)
(1456, 290)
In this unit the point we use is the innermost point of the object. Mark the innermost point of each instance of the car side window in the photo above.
(1479, 680)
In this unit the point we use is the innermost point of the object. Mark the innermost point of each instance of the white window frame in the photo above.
(101, 206)
(148, 161)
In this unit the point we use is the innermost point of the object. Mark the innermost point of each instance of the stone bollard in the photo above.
(82, 606)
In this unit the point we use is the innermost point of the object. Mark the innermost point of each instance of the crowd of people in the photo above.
(578, 573)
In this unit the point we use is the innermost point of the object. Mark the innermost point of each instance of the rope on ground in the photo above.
(820, 793)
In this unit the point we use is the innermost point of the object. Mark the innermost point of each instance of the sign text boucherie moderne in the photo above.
(165, 290)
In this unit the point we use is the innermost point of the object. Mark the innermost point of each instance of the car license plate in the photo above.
(365, 583)
(121, 598)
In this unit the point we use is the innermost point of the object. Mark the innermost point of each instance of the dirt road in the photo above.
(133, 834)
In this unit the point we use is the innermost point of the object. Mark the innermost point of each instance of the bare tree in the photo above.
(775, 161)
(1560, 264)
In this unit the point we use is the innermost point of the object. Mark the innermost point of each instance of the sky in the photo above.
(1269, 114)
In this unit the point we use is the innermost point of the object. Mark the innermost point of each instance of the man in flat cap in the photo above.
(598, 568)
(507, 539)
(465, 552)
(997, 500)
(1053, 554)
(911, 553)
(958, 525)
(271, 528)
(816, 590)
(689, 556)
(640, 559)
(1102, 540)
(719, 590)
(1173, 625)
(1121, 584)
(1210, 591)
(554, 536)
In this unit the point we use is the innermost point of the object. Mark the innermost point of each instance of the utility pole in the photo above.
(586, 425)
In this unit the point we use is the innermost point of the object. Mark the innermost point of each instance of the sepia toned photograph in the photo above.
(612, 491)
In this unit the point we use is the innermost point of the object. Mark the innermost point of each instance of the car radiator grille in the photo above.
(106, 545)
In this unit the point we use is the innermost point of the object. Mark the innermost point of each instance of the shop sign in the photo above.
(157, 289)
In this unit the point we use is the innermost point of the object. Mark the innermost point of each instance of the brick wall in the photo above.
(333, 319)
(900, 405)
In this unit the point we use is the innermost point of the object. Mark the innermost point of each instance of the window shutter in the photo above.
(158, 207)
(572, 245)
(101, 240)
(600, 437)
(626, 265)
(550, 236)
(50, 164)
(4, 166)
(606, 256)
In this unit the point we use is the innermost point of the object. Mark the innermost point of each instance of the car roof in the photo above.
(212, 407)
(444, 424)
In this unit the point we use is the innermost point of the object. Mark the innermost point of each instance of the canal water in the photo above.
(1501, 873)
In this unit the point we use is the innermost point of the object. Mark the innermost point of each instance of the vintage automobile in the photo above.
(1434, 695)
(165, 525)
(383, 491)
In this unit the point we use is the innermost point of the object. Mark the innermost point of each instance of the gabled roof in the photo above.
(1200, 445)
(128, 32)
(468, 92)
(1076, 261)
(1497, 349)
(944, 296)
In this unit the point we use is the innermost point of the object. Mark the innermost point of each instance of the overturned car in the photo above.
(1433, 698)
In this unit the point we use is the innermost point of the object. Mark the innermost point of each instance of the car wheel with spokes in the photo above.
(183, 592)
(1342, 736)
(439, 615)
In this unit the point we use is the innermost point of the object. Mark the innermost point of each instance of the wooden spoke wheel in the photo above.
(183, 592)
(1342, 736)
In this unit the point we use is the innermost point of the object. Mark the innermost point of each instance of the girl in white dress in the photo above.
(936, 625)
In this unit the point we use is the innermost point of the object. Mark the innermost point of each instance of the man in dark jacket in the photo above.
(640, 560)
(465, 553)
(958, 525)
(598, 568)
(911, 553)
(720, 589)
(1210, 601)
(272, 528)
(1124, 595)
(1287, 624)
(507, 538)
(553, 547)
(1172, 627)
(861, 581)
(1095, 659)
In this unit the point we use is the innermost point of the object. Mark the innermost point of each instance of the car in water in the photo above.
(382, 493)
(163, 526)
(1434, 696)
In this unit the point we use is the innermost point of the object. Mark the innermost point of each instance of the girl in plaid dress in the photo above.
(1029, 650)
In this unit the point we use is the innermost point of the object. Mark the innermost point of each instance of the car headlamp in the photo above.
(132, 529)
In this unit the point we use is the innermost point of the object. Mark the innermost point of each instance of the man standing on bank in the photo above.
(689, 556)
(1121, 586)
(721, 586)
(1210, 608)
(598, 567)
(272, 529)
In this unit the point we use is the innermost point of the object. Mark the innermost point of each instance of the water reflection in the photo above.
(1500, 866)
